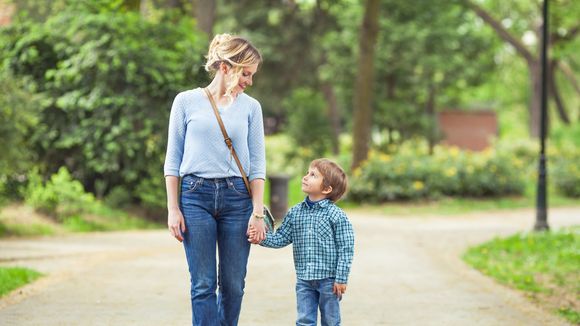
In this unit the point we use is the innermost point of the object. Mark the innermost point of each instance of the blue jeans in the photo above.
(311, 295)
(216, 213)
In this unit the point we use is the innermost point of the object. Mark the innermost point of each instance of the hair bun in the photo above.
(231, 49)
(220, 38)
(214, 54)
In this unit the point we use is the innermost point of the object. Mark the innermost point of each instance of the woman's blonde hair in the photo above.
(235, 51)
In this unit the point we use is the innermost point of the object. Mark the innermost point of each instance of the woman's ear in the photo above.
(224, 68)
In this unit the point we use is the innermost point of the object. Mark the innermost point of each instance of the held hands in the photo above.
(256, 230)
(339, 289)
(176, 224)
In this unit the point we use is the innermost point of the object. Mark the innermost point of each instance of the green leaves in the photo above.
(107, 81)
(411, 173)
(308, 124)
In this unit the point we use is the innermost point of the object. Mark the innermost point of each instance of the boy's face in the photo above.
(312, 184)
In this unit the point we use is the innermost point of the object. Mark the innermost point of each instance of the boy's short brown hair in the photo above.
(333, 175)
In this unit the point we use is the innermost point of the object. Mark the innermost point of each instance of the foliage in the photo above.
(445, 52)
(60, 197)
(106, 80)
(15, 277)
(65, 199)
(17, 105)
(8, 229)
(308, 124)
(544, 265)
(566, 172)
(289, 36)
(412, 174)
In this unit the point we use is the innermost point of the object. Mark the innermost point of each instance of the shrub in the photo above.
(412, 174)
(107, 78)
(566, 172)
(60, 197)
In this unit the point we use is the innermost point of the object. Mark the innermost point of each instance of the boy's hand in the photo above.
(259, 232)
(339, 289)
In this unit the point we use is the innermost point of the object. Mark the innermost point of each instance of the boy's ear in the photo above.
(327, 190)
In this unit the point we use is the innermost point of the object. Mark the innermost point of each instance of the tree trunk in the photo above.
(430, 111)
(333, 115)
(364, 84)
(204, 11)
(569, 74)
(561, 109)
(535, 106)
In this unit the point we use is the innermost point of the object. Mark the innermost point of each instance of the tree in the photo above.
(561, 34)
(424, 59)
(205, 14)
(299, 42)
(107, 80)
(364, 87)
(17, 105)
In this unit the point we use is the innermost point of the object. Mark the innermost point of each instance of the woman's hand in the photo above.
(176, 223)
(256, 230)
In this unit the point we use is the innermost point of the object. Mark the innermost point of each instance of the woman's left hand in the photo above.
(259, 233)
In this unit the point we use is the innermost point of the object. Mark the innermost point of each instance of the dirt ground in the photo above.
(406, 271)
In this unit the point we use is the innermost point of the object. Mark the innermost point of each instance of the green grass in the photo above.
(543, 265)
(15, 277)
(25, 230)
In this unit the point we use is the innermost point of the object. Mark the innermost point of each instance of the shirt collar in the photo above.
(321, 203)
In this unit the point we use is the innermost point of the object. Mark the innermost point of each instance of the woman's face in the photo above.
(245, 79)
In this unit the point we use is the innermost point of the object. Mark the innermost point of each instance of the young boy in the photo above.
(323, 241)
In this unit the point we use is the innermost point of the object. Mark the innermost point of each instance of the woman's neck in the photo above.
(217, 89)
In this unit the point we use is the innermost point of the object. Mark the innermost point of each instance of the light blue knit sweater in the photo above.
(196, 145)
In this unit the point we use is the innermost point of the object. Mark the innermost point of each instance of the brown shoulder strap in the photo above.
(228, 140)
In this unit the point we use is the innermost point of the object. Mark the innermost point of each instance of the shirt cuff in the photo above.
(257, 176)
(171, 172)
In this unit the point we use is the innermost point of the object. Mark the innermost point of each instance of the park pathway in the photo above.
(406, 271)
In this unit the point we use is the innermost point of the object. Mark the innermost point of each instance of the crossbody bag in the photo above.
(268, 218)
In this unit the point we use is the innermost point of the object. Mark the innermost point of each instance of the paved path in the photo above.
(406, 271)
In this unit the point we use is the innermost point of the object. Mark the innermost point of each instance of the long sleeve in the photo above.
(175, 138)
(283, 235)
(256, 144)
(344, 235)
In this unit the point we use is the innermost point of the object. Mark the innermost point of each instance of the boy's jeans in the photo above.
(311, 295)
(216, 211)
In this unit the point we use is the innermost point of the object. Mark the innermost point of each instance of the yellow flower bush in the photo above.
(412, 173)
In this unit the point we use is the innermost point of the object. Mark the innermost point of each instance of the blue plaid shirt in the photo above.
(323, 240)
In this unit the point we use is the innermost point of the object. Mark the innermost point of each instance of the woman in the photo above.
(214, 206)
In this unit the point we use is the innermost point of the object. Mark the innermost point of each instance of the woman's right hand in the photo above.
(176, 223)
